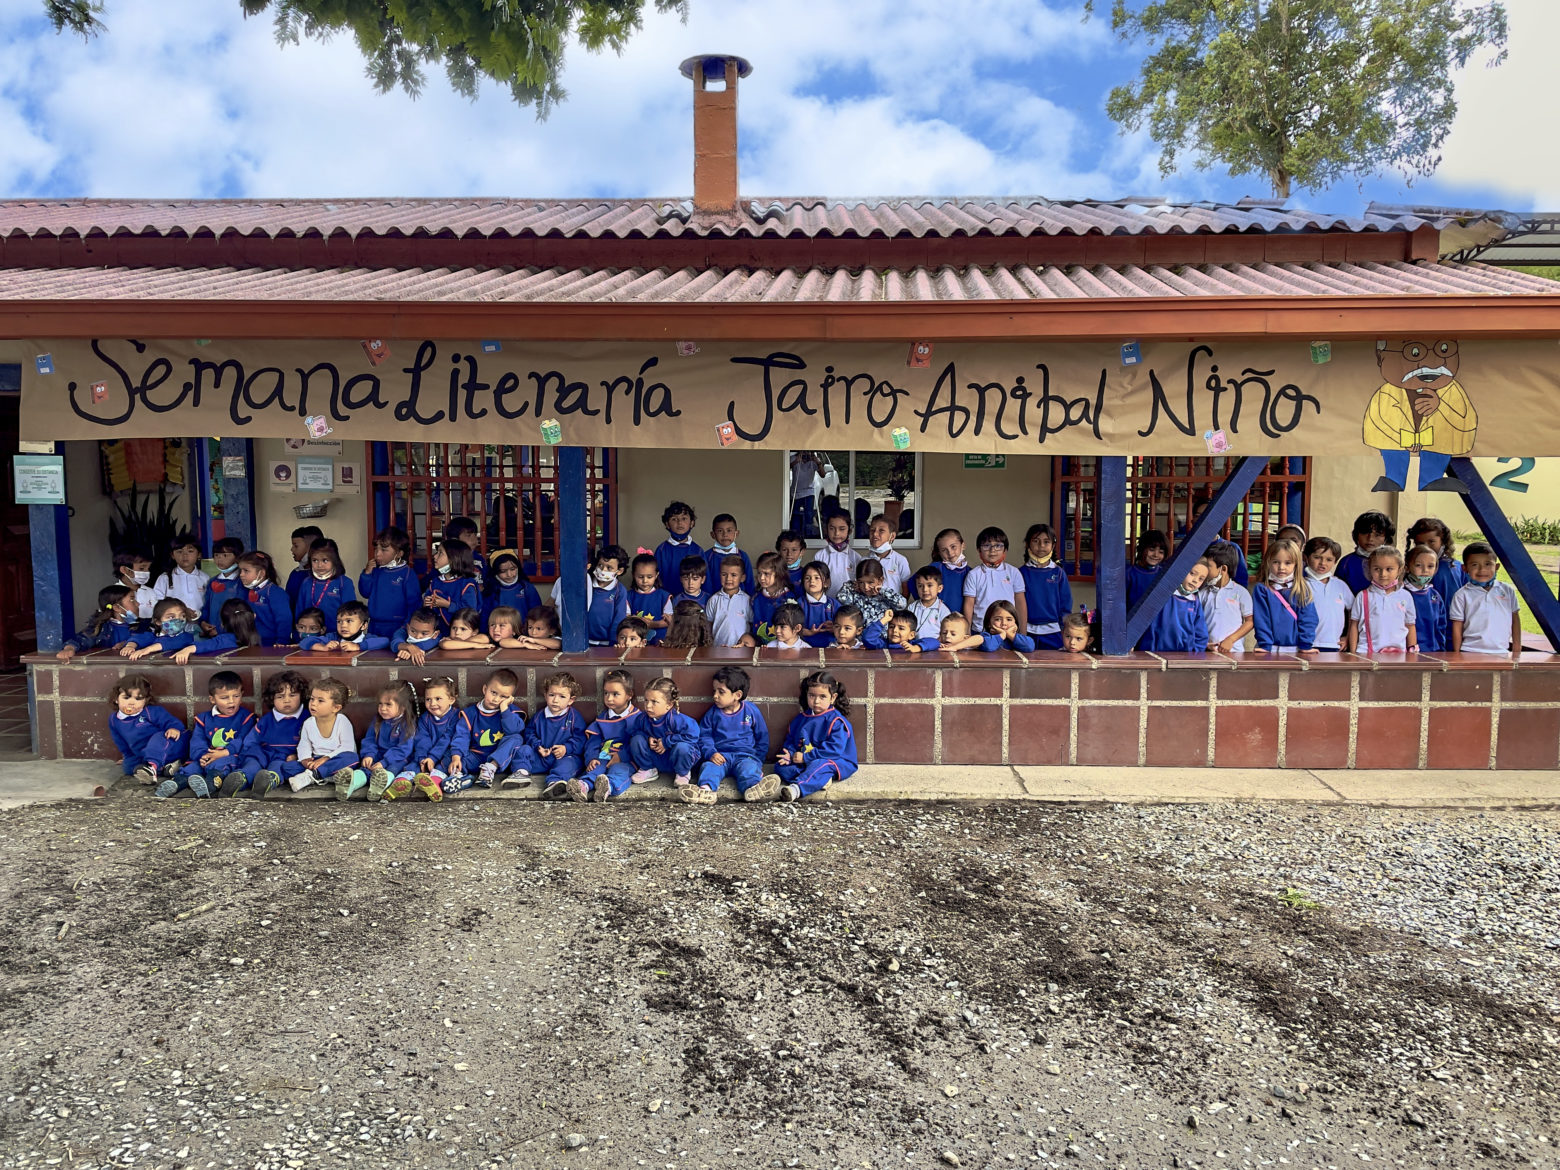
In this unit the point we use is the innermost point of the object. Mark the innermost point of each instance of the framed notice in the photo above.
(316, 475)
(40, 479)
(349, 479)
(280, 475)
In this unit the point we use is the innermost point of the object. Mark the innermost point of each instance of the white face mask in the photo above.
(1277, 578)
(726, 548)
(1315, 576)
(140, 576)
(605, 576)
(445, 570)
(885, 548)
(325, 576)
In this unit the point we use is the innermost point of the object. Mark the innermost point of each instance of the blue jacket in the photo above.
(764, 615)
(230, 734)
(742, 733)
(401, 638)
(673, 727)
(1139, 582)
(295, 581)
(173, 643)
(1432, 627)
(794, 576)
(273, 613)
(389, 744)
(609, 735)
(669, 559)
(713, 558)
(365, 642)
(273, 738)
(823, 737)
(651, 607)
(1179, 626)
(522, 595)
(1023, 643)
(391, 596)
(131, 736)
(1354, 572)
(478, 733)
(220, 590)
(1048, 599)
(460, 592)
(952, 592)
(1275, 626)
(107, 635)
(1449, 578)
(326, 596)
(543, 731)
(433, 739)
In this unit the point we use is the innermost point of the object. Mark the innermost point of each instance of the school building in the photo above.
(560, 369)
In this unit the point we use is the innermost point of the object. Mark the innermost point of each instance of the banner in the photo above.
(1400, 395)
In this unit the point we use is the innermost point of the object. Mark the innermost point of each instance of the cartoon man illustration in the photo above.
(1419, 409)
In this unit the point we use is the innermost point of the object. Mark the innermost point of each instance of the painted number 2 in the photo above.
(1508, 479)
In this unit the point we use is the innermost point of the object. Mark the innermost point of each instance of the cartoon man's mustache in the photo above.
(1428, 373)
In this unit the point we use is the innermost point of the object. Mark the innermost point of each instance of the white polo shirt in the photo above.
(1486, 617)
(731, 616)
(1225, 609)
(1331, 599)
(928, 618)
(985, 585)
(1391, 617)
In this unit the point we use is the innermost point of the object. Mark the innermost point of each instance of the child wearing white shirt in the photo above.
(1485, 614)
(1329, 595)
(327, 746)
(1382, 617)
(896, 570)
(184, 582)
(993, 580)
(928, 606)
(836, 554)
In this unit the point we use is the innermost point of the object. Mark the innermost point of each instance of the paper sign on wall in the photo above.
(40, 479)
(316, 475)
(279, 474)
(349, 479)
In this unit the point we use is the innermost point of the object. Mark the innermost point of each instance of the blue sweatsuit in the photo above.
(433, 741)
(764, 608)
(521, 596)
(605, 608)
(679, 735)
(222, 589)
(1275, 625)
(815, 614)
(460, 592)
(742, 737)
(1354, 571)
(401, 638)
(143, 739)
(713, 558)
(273, 613)
(391, 595)
(483, 736)
(388, 742)
(326, 596)
(651, 607)
(211, 730)
(365, 642)
(109, 634)
(1049, 599)
(1023, 643)
(1449, 578)
(272, 740)
(1139, 581)
(828, 749)
(669, 558)
(546, 731)
(609, 736)
(952, 592)
(295, 581)
(1432, 627)
(1178, 627)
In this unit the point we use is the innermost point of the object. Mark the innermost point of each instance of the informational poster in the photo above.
(281, 477)
(316, 475)
(349, 479)
(40, 479)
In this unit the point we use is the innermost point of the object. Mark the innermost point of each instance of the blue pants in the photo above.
(213, 774)
(532, 761)
(745, 770)
(815, 775)
(250, 766)
(804, 516)
(619, 776)
(159, 750)
(679, 759)
(1432, 466)
(333, 765)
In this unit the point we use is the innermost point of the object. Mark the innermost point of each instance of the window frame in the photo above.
(918, 471)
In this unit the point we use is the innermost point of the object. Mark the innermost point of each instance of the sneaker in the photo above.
(601, 789)
(379, 782)
(557, 790)
(486, 773)
(200, 787)
(791, 792)
(232, 782)
(399, 787)
(515, 779)
(428, 786)
(696, 794)
(766, 789)
(343, 779)
(166, 789)
(452, 785)
(145, 774)
(170, 770)
(643, 776)
(683, 780)
(265, 781)
(579, 791)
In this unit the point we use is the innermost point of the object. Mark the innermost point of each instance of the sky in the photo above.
(848, 98)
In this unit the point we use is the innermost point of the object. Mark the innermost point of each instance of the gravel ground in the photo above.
(485, 984)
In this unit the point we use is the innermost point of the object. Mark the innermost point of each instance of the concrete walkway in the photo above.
(40, 781)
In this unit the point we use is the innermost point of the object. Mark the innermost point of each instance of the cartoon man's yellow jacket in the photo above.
(1449, 429)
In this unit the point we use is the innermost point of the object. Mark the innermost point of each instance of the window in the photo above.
(1169, 494)
(511, 492)
(859, 483)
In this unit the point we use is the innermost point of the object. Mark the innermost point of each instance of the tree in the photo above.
(518, 43)
(1301, 91)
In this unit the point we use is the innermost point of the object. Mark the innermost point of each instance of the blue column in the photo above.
(200, 494)
(53, 587)
(1509, 549)
(1110, 554)
(238, 495)
(573, 544)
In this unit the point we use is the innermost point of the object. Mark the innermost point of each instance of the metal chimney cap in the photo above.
(714, 65)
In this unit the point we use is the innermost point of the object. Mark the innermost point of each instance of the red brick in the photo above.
(1044, 683)
(694, 710)
(1459, 737)
(772, 682)
(45, 679)
(1108, 735)
(973, 684)
(1177, 736)
(1320, 686)
(1520, 686)
(1463, 686)
(45, 742)
(971, 734)
(1317, 737)
(1388, 737)
(853, 678)
(1037, 735)
(1180, 685)
(1391, 686)
(1248, 684)
(1110, 684)
(1245, 737)
(902, 733)
(904, 682)
(1528, 739)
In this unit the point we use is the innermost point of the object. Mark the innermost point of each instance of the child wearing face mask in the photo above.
(1178, 628)
(896, 570)
(1437, 537)
(113, 624)
(1282, 611)
(452, 586)
(225, 586)
(678, 520)
(723, 544)
(1330, 597)
(1382, 618)
(302, 541)
(1371, 531)
(606, 598)
(326, 586)
(791, 548)
(951, 566)
(172, 628)
(273, 612)
(836, 555)
(133, 569)
(1047, 593)
(1430, 617)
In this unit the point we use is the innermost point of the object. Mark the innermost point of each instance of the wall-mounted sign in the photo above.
(984, 462)
(40, 479)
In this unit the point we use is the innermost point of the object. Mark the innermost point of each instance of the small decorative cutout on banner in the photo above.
(99, 391)
(920, 355)
(687, 348)
(377, 350)
(1131, 353)
(203, 341)
(1218, 442)
(901, 437)
(45, 363)
(726, 432)
(492, 346)
(552, 432)
(1321, 352)
(316, 426)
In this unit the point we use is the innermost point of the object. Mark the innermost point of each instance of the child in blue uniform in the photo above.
(327, 586)
(169, 619)
(431, 746)
(820, 746)
(1179, 627)
(1147, 563)
(225, 586)
(1371, 531)
(723, 538)
(1432, 625)
(606, 598)
(1281, 605)
(608, 767)
(387, 746)
(647, 601)
(150, 740)
(733, 740)
(507, 586)
(1001, 632)
(695, 580)
(452, 586)
(464, 529)
(388, 584)
(1449, 575)
(487, 735)
(818, 606)
(302, 541)
(273, 612)
(420, 636)
(951, 567)
(790, 548)
(774, 590)
(215, 742)
(1046, 589)
(238, 630)
(351, 632)
(678, 518)
(667, 740)
(553, 739)
(270, 755)
(112, 625)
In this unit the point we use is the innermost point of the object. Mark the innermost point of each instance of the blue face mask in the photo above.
(172, 627)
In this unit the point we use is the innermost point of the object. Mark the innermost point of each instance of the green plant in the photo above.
(1535, 530)
(1298, 899)
(135, 526)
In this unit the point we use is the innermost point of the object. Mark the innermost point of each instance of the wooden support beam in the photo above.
(573, 545)
(238, 495)
(53, 586)
(1513, 554)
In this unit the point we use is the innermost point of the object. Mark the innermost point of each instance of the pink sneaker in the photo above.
(643, 776)
(681, 781)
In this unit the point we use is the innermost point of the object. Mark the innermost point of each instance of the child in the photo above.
(1147, 564)
(1382, 617)
(327, 747)
(302, 541)
(791, 548)
(553, 740)
(993, 579)
(836, 555)
(1227, 607)
(133, 569)
(270, 755)
(951, 567)
(503, 627)
(666, 740)
(689, 629)
(273, 612)
(168, 621)
(466, 632)
(1432, 629)
(184, 581)
(730, 611)
(225, 585)
(632, 634)
(215, 742)
(1076, 631)
(880, 537)
(1283, 614)
(928, 608)
(309, 624)
(954, 635)
(419, 636)
(694, 575)
(465, 530)
(387, 747)
(1330, 597)
(606, 600)
(678, 546)
(787, 627)
(818, 605)
(1486, 617)
(733, 740)
(647, 601)
(724, 534)
(820, 746)
(351, 632)
(1179, 627)
(1047, 593)
(113, 623)
(388, 583)
(542, 631)
(326, 586)
(487, 735)
(238, 630)
(507, 585)
(452, 586)
(1449, 575)
(871, 595)
(432, 743)
(774, 590)
(901, 634)
(1002, 629)
(851, 631)
(150, 740)
(1371, 531)
(177, 634)
(607, 770)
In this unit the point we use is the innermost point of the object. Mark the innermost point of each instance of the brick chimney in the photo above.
(715, 78)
